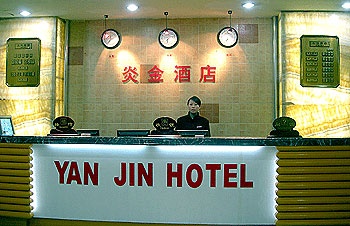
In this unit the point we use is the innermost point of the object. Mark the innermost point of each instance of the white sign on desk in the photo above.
(155, 184)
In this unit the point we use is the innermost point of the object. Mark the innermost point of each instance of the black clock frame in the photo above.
(218, 37)
(177, 38)
(113, 46)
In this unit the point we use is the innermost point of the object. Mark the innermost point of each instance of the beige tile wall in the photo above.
(241, 97)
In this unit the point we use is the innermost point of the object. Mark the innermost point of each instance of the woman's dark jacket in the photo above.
(197, 123)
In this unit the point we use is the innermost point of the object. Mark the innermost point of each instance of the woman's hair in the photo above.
(195, 99)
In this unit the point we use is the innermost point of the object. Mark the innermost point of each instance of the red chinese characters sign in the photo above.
(154, 74)
(208, 74)
(183, 74)
(130, 74)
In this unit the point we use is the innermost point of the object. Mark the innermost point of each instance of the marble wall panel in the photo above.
(34, 108)
(319, 112)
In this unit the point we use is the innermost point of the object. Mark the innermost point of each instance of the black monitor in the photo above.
(193, 133)
(6, 126)
(133, 132)
(88, 132)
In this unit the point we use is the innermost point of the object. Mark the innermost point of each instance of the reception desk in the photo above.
(173, 180)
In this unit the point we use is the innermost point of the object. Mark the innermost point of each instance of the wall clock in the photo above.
(168, 38)
(227, 37)
(111, 39)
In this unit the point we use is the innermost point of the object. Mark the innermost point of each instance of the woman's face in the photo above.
(193, 107)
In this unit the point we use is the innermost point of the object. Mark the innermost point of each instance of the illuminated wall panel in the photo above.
(34, 108)
(319, 112)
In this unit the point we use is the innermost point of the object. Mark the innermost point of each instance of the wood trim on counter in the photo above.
(313, 185)
(15, 181)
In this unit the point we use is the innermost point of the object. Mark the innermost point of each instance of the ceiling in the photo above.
(116, 9)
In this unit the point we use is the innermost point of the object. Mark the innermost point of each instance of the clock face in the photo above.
(227, 37)
(111, 39)
(168, 38)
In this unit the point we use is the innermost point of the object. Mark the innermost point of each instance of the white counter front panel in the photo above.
(155, 184)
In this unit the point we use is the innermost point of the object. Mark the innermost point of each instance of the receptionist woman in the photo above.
(193, 121)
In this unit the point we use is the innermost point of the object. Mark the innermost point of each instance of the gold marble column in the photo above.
(319, 112)
(34, 108)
